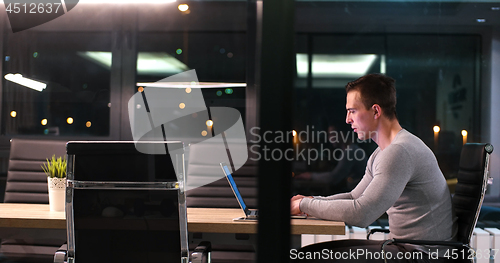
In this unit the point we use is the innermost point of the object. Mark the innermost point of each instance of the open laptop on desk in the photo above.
(250, 214)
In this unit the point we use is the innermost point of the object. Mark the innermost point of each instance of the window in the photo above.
(73, 70)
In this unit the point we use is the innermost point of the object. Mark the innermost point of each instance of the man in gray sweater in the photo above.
(402, 178)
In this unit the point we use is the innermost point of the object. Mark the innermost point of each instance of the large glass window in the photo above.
(218, 58)
(57, 84)
(437, 72)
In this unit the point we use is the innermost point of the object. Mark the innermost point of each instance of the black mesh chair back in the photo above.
(27, 183)
(471, 187)
(124, 205)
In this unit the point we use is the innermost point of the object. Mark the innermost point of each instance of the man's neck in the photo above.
(386, 132)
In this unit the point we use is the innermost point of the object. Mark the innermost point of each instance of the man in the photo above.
(402, 178)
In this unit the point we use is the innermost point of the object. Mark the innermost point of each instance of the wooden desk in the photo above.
(206, 220)
(30, 216)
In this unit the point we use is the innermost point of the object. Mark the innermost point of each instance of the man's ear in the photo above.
(377, 111)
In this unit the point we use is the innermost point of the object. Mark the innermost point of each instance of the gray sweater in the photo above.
(403, 180)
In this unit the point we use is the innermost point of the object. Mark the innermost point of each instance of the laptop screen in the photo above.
(235, 188)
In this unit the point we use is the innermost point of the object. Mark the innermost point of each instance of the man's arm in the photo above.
(390, 176)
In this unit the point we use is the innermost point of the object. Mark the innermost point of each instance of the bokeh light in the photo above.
(183, 7)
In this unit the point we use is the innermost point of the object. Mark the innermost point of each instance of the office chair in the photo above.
(126, 206)
(469, 194)
(27, 183)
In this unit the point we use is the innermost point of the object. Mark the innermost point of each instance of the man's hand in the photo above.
(295, 204)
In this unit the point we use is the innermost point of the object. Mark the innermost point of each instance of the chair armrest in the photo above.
(429, 242)
(60, 255)
(201, 254)
(375, 230)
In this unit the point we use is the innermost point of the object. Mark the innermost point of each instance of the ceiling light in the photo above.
(481, 20)
(335, 66)
(158, 63)
(101, 58)
(148, 63)
(32, 84)
(495, 8)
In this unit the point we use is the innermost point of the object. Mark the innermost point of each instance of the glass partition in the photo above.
(437, 52)
(218, 57)
(56, 84)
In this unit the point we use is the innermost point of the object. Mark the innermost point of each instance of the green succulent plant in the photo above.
(55, 167)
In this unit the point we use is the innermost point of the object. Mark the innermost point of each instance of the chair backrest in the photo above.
(123, 205)
(471, 187)
(26, 181)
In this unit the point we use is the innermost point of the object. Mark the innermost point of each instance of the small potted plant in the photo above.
(55, 169)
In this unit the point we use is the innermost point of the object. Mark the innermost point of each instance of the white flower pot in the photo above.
(57, 193)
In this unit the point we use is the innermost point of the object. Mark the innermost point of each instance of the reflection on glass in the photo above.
(29, 83)
(148, 63)
(332, 66)
(159, 63)
(56, 76)
(221, 77)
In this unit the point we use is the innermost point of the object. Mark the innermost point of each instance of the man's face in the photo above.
(362, 121)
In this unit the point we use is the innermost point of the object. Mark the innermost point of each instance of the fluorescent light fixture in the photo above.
(32, 84)
(148, 63)
(158, 63)
(335, 66)
(302, 65)
(101, 58)
(183, 85)
(383, 65)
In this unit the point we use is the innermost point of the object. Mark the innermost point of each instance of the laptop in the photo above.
(250, 214)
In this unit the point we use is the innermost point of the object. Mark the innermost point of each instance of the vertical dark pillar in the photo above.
(254, 44)
(128, 49)
(275, 100)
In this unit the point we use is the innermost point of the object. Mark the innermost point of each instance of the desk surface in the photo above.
(207, 220)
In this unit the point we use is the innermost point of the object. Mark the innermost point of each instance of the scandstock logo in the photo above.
(25, 14)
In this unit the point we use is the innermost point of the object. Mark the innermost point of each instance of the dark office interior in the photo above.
(293, 58)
